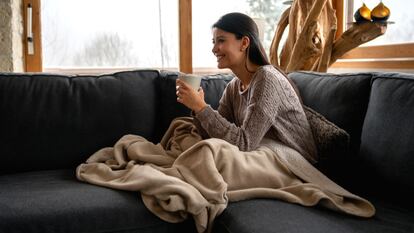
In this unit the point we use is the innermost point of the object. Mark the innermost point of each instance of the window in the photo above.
(101, 34)
(147, 34)
(95, 34)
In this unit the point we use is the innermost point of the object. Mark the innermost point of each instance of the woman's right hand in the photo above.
(192, 99)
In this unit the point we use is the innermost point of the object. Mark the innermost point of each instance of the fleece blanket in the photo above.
(184, 176)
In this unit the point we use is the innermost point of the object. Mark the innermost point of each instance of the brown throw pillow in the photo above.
(330, 139)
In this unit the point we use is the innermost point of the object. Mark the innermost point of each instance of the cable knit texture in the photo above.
(268, 108)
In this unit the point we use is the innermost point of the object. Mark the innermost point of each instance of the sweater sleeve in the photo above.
(224, 110)
(256, 123)
(200, 128)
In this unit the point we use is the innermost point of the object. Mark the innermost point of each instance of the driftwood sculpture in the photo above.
(311, 43)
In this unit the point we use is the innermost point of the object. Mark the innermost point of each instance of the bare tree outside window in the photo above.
(96, 33)
(106, 50)
(269, 11)
(55, 45)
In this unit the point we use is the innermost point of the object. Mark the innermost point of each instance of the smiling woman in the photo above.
(265, 12)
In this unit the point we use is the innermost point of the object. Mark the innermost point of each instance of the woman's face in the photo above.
(230, 51)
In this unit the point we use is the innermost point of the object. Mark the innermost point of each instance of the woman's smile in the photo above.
(219, 57)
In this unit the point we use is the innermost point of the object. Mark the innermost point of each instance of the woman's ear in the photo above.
(245, 43)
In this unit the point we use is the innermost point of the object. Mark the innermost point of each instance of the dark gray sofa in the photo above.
(50, 123)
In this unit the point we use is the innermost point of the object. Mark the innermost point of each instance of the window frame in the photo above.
(390, 56)
(185, 36)
(32, 63)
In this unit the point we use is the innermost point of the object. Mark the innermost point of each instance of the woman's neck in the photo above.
(245, 75)
(245, 78)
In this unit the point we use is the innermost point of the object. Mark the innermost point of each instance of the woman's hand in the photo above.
(189, 97)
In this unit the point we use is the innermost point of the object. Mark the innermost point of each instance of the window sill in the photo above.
(394, 64)
(97, 70)
(109, 70)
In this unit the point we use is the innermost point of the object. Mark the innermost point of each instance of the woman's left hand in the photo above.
(192, 99)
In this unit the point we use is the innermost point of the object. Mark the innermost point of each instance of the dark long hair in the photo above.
(242, 25)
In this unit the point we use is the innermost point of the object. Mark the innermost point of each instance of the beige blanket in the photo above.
(184, 175)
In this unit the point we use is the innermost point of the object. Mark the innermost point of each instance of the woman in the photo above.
(259, 103)
(259, 139)
(262, 115)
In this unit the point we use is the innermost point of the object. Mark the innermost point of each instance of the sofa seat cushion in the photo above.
(54, 201)
(269, 216)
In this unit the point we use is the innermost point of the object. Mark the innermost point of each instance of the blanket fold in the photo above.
(184, 175)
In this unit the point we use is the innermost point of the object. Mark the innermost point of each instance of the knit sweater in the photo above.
(267, 108)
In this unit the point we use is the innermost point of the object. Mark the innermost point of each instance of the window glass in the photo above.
(205, 13)
(401, 28)
(110, 33)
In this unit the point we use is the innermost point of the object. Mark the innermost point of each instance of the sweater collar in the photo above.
(247, 89)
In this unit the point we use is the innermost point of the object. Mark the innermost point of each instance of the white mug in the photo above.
(191, 79)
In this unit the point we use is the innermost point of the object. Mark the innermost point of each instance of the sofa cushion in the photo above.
(342, 99)
(169, 108)
(54, 121)
(329, 138)
(54, 201)
(268, 216)
(387, 142)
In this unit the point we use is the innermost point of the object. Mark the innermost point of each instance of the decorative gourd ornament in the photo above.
(363, 14)
(380, 12)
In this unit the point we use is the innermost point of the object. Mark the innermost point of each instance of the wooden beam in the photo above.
(33, 62)
(185, 38)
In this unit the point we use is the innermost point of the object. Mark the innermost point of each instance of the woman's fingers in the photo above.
(183, 89)
(182, 85)
(188, 96)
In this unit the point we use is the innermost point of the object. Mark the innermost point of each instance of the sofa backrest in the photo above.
(387, 141)
(50, 121)
(377, 110)
(343, 100)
